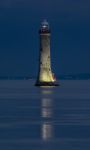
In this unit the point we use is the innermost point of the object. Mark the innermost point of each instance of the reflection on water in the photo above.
(47, 114)
(47, 111)
(47, 131)
(34, 118)
(47, 90)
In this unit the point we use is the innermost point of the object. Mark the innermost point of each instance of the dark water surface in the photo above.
(56, 118)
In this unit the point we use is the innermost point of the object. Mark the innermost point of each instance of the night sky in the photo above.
(19, 40)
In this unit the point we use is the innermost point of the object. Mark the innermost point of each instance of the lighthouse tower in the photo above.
(45, 75)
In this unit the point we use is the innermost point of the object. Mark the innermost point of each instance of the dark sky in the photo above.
(19, 40)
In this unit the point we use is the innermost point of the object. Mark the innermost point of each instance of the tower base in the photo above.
(47, 84)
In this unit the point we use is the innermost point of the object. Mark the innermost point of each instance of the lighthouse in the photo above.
(45, 75)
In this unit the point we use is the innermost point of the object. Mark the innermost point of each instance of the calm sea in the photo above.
(33, 118)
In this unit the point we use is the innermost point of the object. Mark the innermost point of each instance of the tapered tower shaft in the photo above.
(45, 75)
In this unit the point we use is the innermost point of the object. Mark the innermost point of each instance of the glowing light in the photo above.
(45, 23)
(46, 77)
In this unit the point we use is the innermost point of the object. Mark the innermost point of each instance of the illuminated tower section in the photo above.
(45, 75)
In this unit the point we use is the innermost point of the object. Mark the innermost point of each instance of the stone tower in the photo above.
(45, 75)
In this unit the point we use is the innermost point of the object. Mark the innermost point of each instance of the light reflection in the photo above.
(47, 115)
(46, 108)
(47, 91)
(47, 131)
